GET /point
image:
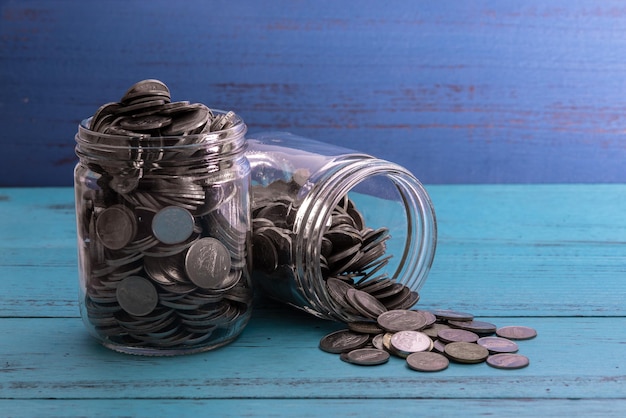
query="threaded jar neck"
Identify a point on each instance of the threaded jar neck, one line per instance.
(162, 152)
(386, 186)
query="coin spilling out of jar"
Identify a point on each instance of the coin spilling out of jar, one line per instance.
(163, 223)
(428, 341)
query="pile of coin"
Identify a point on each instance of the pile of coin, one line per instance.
(428, 340)
(352, 255)
(164, 223)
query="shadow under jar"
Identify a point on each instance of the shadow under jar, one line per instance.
(163, 227)
(337, 233)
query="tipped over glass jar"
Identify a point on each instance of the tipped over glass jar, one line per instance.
(337, 233)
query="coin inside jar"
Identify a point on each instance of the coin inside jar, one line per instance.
(172, 225)
(116, 227)
(136, 295)
(207, 263)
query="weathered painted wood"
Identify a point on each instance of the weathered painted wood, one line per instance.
(546, 256)
(277, 357)
(495, 91)
(503, 250)
(315, 408)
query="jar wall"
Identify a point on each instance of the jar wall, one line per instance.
(163, 228)
(321, 212)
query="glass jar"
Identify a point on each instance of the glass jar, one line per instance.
(337, 233)
(163, 227)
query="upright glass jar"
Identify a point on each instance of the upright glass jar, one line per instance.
(339, 234)
(163, 226)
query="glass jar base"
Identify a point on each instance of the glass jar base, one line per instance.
(160, 352)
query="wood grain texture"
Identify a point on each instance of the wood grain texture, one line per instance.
(546, 256)
(478, 92)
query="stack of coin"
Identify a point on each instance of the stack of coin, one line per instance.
(164, 222)
(352, 255)
(428, 340)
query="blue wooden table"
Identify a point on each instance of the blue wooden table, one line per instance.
(552, 257)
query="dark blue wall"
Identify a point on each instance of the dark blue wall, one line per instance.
(456, 91)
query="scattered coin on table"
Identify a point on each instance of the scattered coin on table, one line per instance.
(427, 341)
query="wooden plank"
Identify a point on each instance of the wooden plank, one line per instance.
(503, 250)
(313, 408)
(277, 358)
(493, 91)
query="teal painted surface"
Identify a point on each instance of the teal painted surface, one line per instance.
(458, 92)
(547, 256)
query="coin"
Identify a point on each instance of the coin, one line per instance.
(365, 303)
(188, 122)
(207, 263)
(136, 295)
(366, 356)
(508, 361)
(342, 340)
(146, 88)
(377, 341)
(145, 123)
(451, 335)
(463, 352)
(498, 344)
(173, 225)
(516, 332)
(116, 227)
(401, 320)
(427, 361)
(439, 346)
(433, 330)
(479, 327)
(407, 342)
(264, 254)
(448, 314)
(365, 327)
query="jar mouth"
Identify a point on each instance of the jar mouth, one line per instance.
(136, 140)
(137, 149)
(413, 238)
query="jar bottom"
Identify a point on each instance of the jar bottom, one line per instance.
(231, 334)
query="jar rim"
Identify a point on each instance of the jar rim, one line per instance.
(94, 139)
(421, 224)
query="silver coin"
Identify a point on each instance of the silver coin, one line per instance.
(433, 330)
(366, 357)
(146, 88)
(145, 123)
(514, 332)
(364, 327)
(173, 225)
(427, 361)
(452, 335)
(498, 344)
(264, 253)
(342, 340)
(365, 303)
(449, 314)
(377, 341)
(508, 361)
(116, 227)
(187, 122)
(407, 342)
(137, 296)
(207, 263)
(481, 328)
(401, 320)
